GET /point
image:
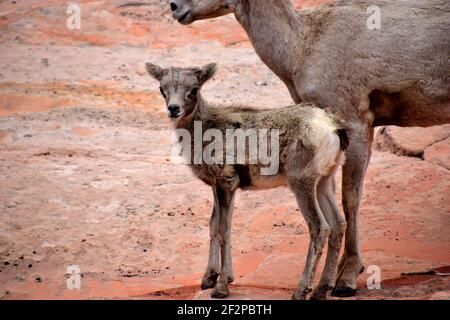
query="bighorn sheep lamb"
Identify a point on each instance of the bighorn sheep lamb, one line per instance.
(310, 146)
(397, 73)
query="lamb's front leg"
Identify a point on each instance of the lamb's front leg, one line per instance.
(225, 208)
(213, 269)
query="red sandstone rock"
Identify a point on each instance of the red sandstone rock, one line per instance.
(439, 153)
(410, 141)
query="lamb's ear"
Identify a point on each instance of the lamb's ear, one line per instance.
(155, 71)
(207, 72)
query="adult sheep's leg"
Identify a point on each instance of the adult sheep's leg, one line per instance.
(213, 269)
(293, 92)
(225, 199)
(353, 172)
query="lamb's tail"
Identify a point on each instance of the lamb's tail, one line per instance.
(343, 138)
(331, 141)
(329, 153)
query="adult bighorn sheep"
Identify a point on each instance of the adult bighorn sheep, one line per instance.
(309, 147)
(396, 75)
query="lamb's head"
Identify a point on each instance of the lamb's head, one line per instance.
(187, 11)
(180, 87)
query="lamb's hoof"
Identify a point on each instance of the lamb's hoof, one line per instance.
(209, 282)
(320, 294)
(343, 292)
(296, 296)
(220, 292)
(207, 285)
(300, 295)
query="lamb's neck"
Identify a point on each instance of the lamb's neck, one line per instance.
(276, 32)
(202, 113)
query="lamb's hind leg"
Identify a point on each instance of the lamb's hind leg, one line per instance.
(213, 269)
(225, 199)
(305, 193)
(330, 209)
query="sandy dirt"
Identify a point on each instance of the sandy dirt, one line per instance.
(85, 175)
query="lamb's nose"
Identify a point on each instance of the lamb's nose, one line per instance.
(173, 6)
(174, 110)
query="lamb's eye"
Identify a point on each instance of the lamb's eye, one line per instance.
(162, 92)
(194, 92)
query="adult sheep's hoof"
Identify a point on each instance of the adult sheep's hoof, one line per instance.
(343, 292)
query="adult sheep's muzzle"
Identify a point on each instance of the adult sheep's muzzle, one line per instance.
(180, 12)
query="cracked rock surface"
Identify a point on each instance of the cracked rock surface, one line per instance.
(411, 142)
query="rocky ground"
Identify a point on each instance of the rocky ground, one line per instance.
(85, 176)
